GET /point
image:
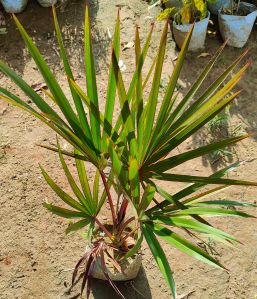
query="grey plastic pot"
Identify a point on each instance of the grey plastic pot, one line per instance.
(46, 3)
(14, 6)
(237, 29)
(130, 268)
(215, 5)
(198, 36)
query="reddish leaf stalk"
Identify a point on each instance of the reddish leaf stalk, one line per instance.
(124, 225)
(109, 197)
(128, 235)
(104, 229)
(123, 209)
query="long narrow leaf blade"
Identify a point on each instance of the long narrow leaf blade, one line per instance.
(65, 213)
(63, 195)
(185, 246)
(160, 257)
(49, 79)
(91, 80)
(174, 161)
(74, 187)
(111, 91)
(76, 98)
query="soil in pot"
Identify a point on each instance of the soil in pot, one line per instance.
(129, 267)
(46, 3)
(198, 37)
(237, 28)
(215, 5)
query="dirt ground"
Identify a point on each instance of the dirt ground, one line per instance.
(36, 257)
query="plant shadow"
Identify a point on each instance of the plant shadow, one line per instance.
(136, 289)
(38, 22)
(216, 130)
(243, 108)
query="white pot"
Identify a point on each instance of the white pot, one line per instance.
(130, 268)
(198, 37)
(14, 6)
(237, 29)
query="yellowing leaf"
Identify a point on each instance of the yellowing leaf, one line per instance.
(186, 14)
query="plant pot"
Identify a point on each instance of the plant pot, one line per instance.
(130, 268)
(237, 29)
(198, 36)
(46, 3)
(215, 5)
(14, 6)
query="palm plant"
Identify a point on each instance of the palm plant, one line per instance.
(133, 154)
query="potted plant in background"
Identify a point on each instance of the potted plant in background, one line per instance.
(236, 22)
(17, 6)
(183, 14)
(131, 156)
(14, 6)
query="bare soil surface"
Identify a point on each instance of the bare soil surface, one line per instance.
(36, 258)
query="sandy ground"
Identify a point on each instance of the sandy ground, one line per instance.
(35, 255)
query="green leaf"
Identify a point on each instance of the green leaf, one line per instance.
(136, 75)
(50, 80)
(169, 197)
(83, 179)
(160, 257)
(73, 139)
(185, 246)
(96, 188)
(194, 118)
(64, 152)
(192, 188)
(91, 80)
(204, 194)
(74, 187)
(139, 105)
(134, 181)
(153, 97)
(211, 211)
(210, 90)
(200, 179)
(54, 123)
(146, 198)
(229, 203)
(174, 161)
(166, 102)
(215, 106)
(194, 225)
(107, 127)
(36, 99)
(177, 205)
(111, 91)
(127, 121)
(118, 168)
(63, 195)
(150, 71)
(76, 98)
(73, 227)
(65, 213)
